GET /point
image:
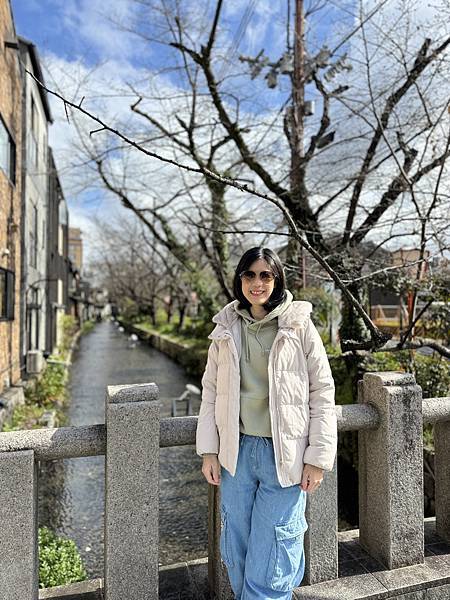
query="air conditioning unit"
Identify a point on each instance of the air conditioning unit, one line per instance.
(35, 361)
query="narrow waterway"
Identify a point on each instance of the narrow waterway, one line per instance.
(72, 491)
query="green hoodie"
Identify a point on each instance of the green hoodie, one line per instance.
(257, 340)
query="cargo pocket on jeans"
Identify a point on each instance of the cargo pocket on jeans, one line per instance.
(286, 555)
(225, 545)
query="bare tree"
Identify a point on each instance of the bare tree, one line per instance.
(394, 144)
(378, 147)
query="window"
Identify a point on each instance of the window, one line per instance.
(63, 220)
(60, 292)
(7, 153)
(33, 236)
(60, 240)
(6, 295)
(33, 136)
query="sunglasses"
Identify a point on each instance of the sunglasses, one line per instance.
(265, 276)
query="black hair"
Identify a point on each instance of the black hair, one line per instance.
(273, 260)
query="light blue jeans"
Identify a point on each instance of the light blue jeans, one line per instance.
(263, 525)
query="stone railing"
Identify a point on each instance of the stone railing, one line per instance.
(389, 417)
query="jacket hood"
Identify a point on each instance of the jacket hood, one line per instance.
(253, 323)
(295, 315)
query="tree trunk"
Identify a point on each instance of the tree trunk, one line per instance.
(152, 312)
(294, 274)
(182, 313)
(220, 261)
(352, 327)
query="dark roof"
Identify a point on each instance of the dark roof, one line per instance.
(35, 61)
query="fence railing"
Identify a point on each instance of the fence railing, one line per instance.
(389, 418)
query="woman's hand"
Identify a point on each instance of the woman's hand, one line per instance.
(311, 478)
(211, 469)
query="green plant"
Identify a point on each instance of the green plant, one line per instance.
(48, 393)
(69, 328)
(59, 560)
(431, 373)
(50, 387)
(25, 416)
(322, 301)
(87, 327)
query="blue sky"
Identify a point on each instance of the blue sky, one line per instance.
(85, 53)
(76, 35)
(69, 28)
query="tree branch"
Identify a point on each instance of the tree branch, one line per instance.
(420, 64)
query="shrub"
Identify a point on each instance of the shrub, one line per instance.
(431, 373)
(59, 560)
(25, 416)
(324, 304)
(50, 387)
(49, 392)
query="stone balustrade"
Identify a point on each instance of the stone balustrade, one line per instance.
(389, 418)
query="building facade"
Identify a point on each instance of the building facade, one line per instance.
(76, 248)
(57, 258)
(10, 199)
(36, 117)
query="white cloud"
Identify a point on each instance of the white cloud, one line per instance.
(96, 26)
(104, 90)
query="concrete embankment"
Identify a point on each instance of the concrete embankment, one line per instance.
(190, 357)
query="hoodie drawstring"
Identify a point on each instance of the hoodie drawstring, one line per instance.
(247, 344)
(256, 336)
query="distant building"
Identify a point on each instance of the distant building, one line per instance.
(411, 257)
(82, 298)
(10, 199)
(57, 258)
(440, 265)
(389, 310)
(76, 248)
(36, 117)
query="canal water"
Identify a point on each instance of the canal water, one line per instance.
(71, 491)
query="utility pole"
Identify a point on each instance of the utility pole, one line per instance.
(298, 92)
(295, 255)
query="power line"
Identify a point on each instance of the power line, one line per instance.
(235, 43)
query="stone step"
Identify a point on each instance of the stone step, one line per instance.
(360, 577)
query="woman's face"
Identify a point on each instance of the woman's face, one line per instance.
(257, 291)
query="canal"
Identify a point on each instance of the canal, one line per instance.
(71, 494)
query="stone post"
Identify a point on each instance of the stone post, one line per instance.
(442, 478)
(219, 583)
(18, 526)
(391, 471)
(132, 492)
(321, 541)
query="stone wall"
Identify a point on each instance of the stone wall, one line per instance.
(10, 195)
(192, 359)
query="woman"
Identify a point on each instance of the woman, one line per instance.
(266, 428)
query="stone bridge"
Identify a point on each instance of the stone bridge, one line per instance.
(395, 553)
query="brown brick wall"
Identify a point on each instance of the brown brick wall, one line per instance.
(10, 203)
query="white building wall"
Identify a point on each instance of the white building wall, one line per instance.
(36, 209)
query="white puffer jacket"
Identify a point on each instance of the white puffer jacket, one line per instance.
(301, 394)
